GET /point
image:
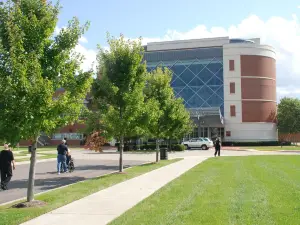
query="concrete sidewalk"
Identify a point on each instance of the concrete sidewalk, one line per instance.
(108, 204)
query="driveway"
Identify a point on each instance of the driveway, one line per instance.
(47, 178)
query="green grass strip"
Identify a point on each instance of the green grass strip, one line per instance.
(226, 191)
(61, 197)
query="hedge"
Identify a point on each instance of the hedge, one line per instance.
(176, 147)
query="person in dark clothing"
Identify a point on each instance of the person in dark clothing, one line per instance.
(62, 150)
(66, 143)
(7, 164)
(217, 147)
(68, 153)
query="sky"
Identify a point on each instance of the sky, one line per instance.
(276, 22)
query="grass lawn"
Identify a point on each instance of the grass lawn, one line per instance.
(273, 148)
(227, 190)
(61, 197)
(44, 156)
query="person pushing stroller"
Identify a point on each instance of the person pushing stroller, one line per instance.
(65, 160)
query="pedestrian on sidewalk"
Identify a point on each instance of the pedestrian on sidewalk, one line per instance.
(62, 150)
(7, 165)
(217, 147)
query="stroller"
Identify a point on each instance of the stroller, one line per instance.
(70, 165)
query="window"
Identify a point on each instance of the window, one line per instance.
(232, 88)
(231, 65)
(232, 110)
(228, 133)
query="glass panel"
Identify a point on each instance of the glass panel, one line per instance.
(214, 67)
(205, 92)
(195, 101)
(214, 81)
(177, 82)
(178, 69)
(187, 76)
(186, 93)
(214, 100)
(203, 76)
(196, 68)
(196, 82)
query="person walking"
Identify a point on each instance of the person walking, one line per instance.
(217, 147)
(62, 150)
(7, 165)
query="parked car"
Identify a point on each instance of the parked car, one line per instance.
(203, 143)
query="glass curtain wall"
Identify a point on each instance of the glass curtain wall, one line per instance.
(198, 82)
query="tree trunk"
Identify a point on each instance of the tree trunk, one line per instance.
(121, 145)
(121, 154)
(157, 150)
(169, 142)
(30, 191)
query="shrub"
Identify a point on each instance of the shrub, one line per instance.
(95, 141)
(178, 148)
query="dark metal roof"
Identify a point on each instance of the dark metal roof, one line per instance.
(211, 116)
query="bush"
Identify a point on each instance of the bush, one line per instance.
(134, 147)
(258, 143)
(178, 148)
(152, 146)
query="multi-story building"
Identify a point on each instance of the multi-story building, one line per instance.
(228, 85)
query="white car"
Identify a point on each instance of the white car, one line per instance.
(203, 143)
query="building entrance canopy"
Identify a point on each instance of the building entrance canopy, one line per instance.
(209, 116)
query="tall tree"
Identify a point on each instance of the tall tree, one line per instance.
(288, 116)
(34, 64)
(158, 89)
(178, 120)
(120, 89)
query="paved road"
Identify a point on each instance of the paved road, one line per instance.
(47, 178)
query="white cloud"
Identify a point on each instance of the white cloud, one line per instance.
(88, 54)
(298, 6)
(89, 57)
(281, 33)
(83, 40)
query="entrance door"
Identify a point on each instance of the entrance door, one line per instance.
(216, 132)
(203, 132)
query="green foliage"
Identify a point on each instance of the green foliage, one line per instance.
(178, 119)
(33, 65)
(119, 92)
(178, 148)
(158, 90)
(289, 115)
(172, 119)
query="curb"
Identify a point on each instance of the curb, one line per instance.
(44, 192)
